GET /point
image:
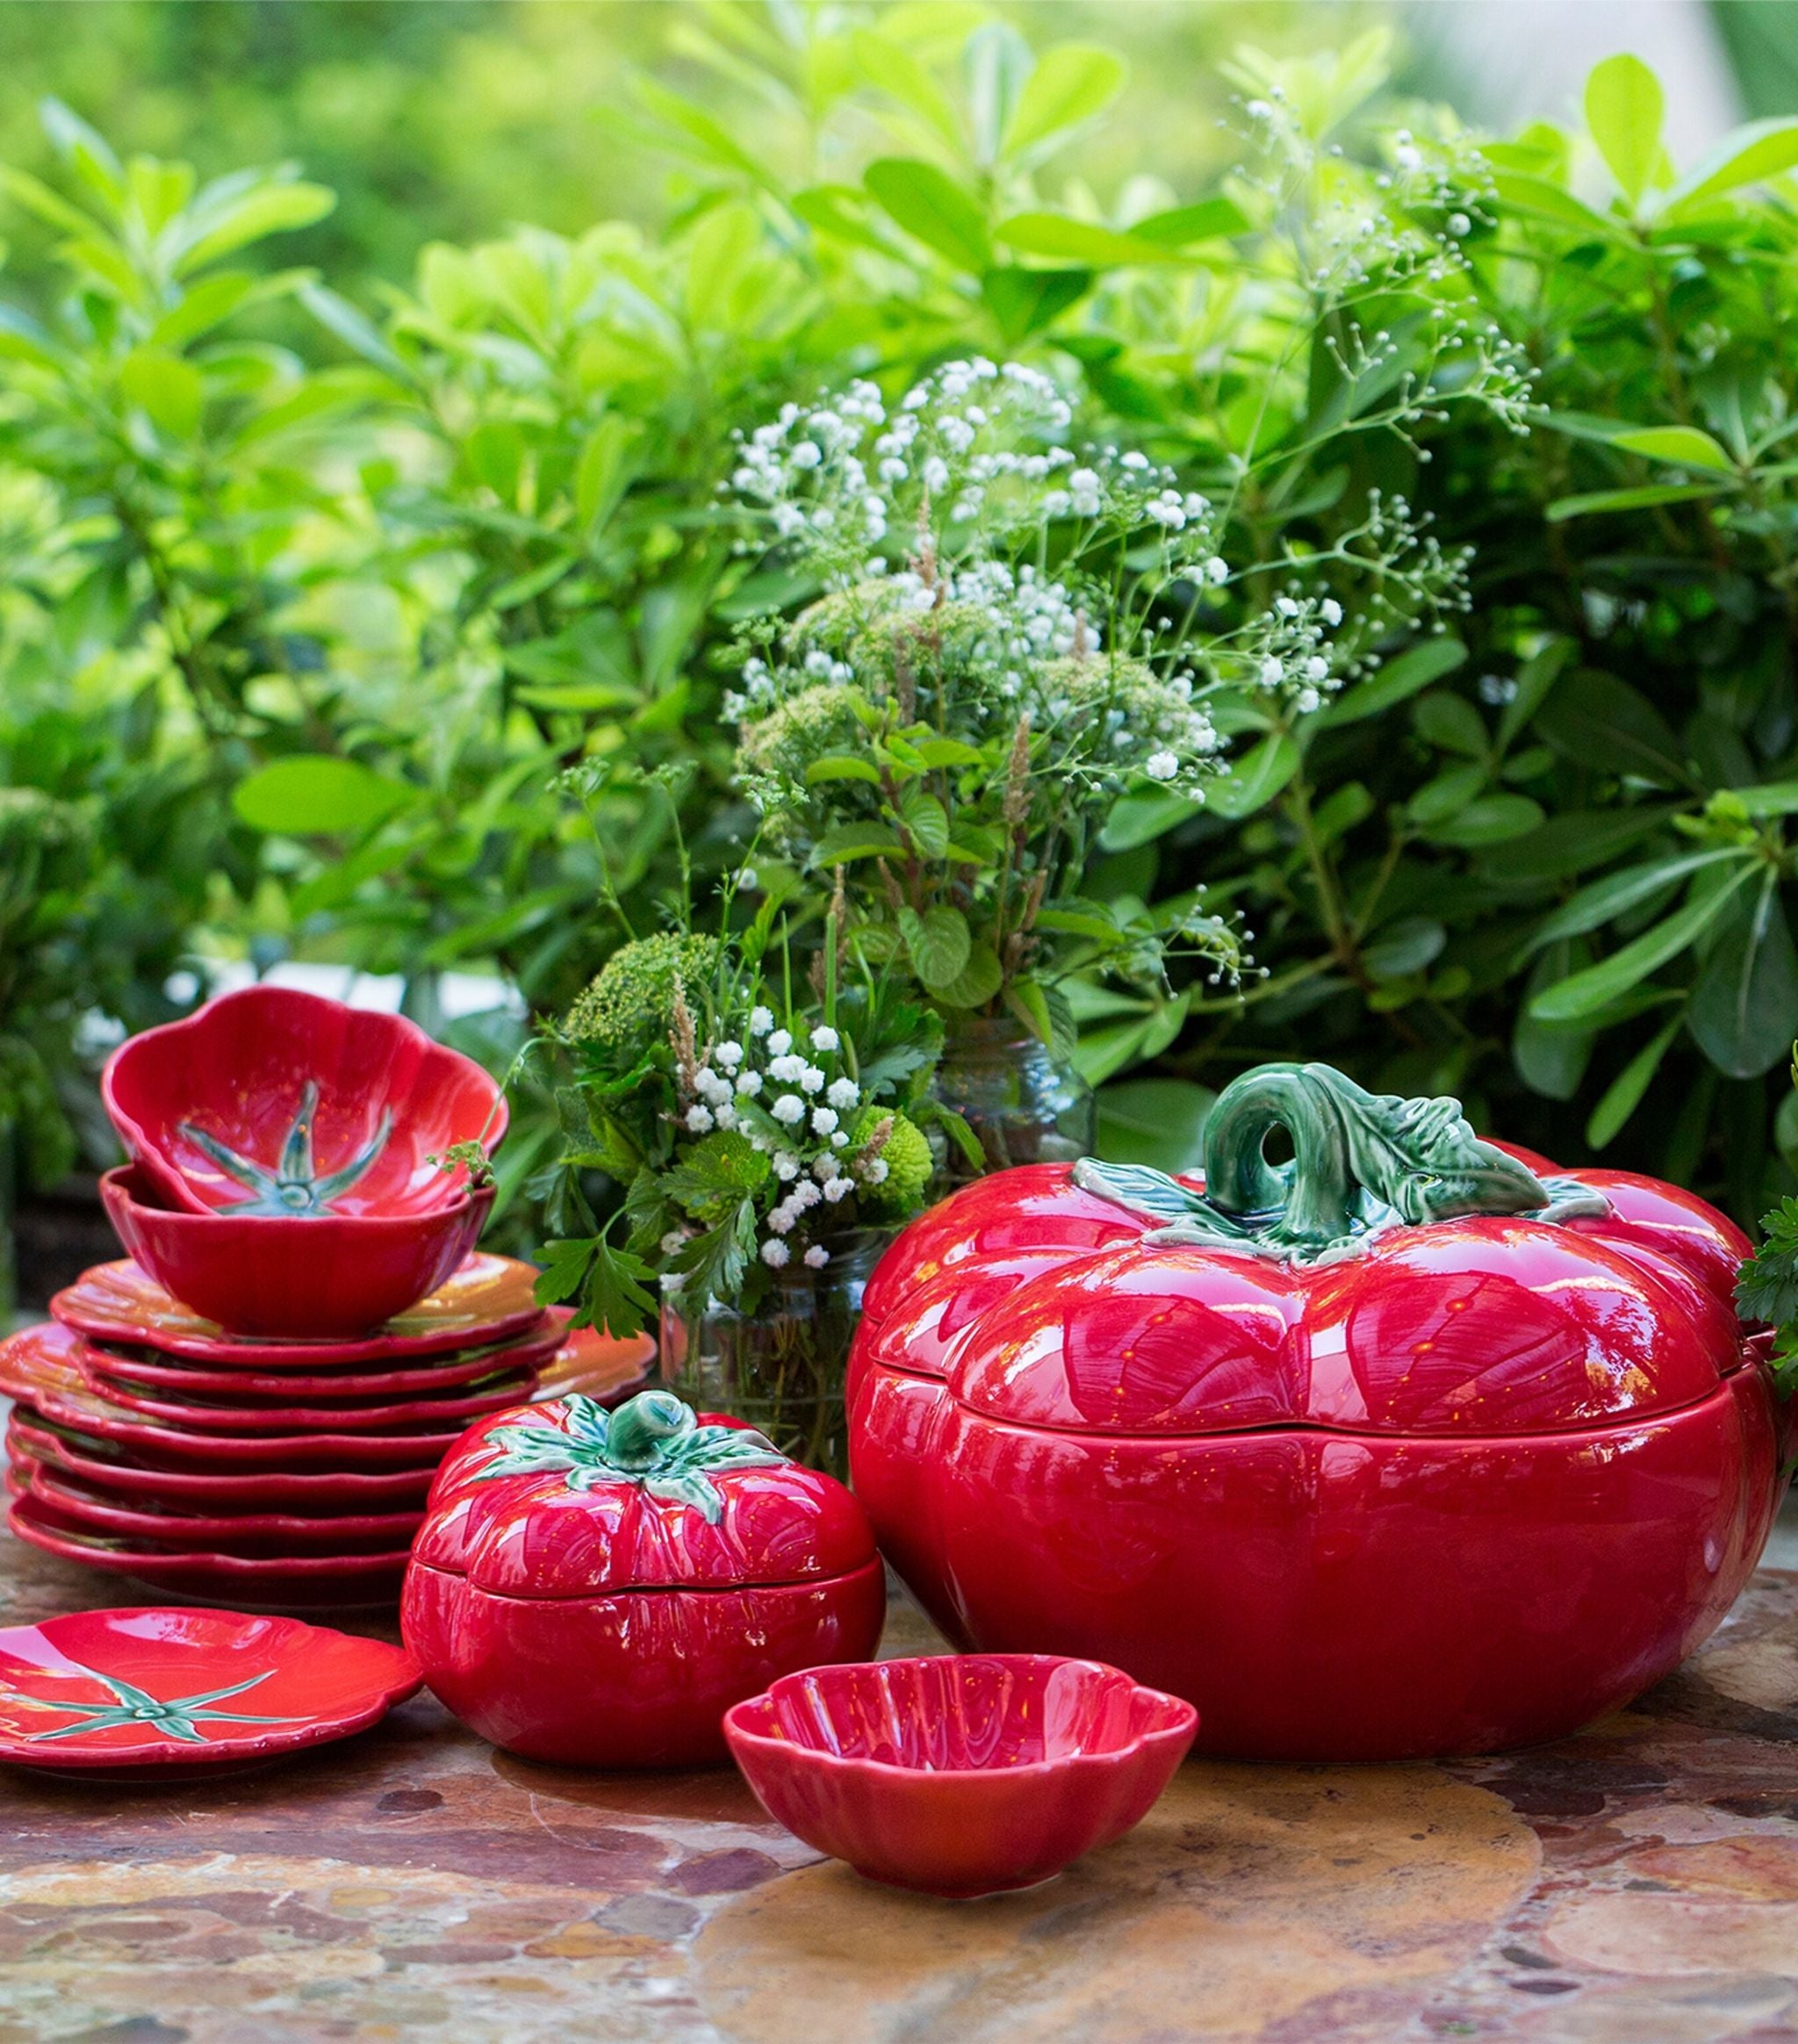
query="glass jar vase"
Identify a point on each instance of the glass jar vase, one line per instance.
(1023, 1105)
(779, 1368)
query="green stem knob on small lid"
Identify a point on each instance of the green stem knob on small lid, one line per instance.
(643, 1427)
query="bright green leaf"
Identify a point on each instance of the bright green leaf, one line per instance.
(319, 795)
(1072, 82)
(1584, 993)
(1684, 445)
(1623, 1097)
(1624, 107)
(931, 206)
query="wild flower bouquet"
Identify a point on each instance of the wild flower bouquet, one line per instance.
(766, 1139)
(1013, 634)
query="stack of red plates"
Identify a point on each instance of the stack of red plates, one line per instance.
(146, 1441)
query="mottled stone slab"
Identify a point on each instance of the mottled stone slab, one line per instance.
(1637, 1885)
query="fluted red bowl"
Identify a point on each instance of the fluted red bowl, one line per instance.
(959, 1775)
(338, 1275)
(279, 1103)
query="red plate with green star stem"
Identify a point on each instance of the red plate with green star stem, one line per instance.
(150, 1688)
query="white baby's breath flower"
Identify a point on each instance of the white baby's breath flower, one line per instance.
(730, 1055)
(874, 1171)
(672, 1240)
(1162, 766)
(760, 1021)
(748, 1082)
(839, 1190)
(843, 1093)
(816, 1256)
(775, 1254)
(812, 1079)
(699, 1119)
(1330, 611)
(785, 1165)
(782, 1219)
(1217, 569)
(725, 1114)
(1272, 674)
(824, 1038)
(788, 1109)
(823, 1119)
(840, 1140)
(779, 1043)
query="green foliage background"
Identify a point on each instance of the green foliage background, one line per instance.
(328, 535)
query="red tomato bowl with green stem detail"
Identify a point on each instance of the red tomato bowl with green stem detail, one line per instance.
(596, 1589)
(1411, 1445)
(272, 1103)
(336, 1278)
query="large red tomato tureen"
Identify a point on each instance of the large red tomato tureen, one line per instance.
(1411, 1445)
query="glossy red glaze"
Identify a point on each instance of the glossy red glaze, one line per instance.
(1470, 1486)
(608, 1626)
(452, 1407)
(133, 1478)
(38, 1367)
(314, 1684)
(487, 1299)
(237, 1070)
(278, 1581)
(341, 1533)
(960, 1776)
(151, 1371)
(337, 1276)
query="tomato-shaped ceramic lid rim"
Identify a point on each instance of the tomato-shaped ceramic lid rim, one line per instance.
(565, 1500)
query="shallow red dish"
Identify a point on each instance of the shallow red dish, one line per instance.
(109, 1467)
(139, 1688)
(487, 1299)
(149, 1370)
(340, 1275)
(266, 1581)
(298, 1104)
(223, 1415)
(339, 1533)
(959, 1775)
(38, 1368)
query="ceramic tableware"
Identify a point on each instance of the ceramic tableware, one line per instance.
(269, 1101)
(1413, 1445)
(335, 1276)
(151, 1370)
(959, 1775)
(37, 1367)
(127, 1694)
(456, 1407)
(594, 1589)
(108, 1467)
(340, 1532)
(490, 1299)
(266, 1582)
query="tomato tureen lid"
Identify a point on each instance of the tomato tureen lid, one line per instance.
(567, 1500)
(1399, 1275)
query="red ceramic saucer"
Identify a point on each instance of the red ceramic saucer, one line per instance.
(341, 1533)
(283, 1581)
(221, 1416)
(149, 1370)
(283, 1104)
(488, 1299)
(38, 1368)
(115, 1692)
(105, 1466)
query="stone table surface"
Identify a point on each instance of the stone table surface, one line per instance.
(1636, 1885)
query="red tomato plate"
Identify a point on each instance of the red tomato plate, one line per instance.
(489, 1300)
(154, 1693)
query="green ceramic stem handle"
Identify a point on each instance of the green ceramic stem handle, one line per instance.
(1362, 1163)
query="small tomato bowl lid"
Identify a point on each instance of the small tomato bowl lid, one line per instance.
(567, 1500)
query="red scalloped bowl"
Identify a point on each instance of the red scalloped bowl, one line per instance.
(959, 1775)
(339, 1275)
(238, 1072)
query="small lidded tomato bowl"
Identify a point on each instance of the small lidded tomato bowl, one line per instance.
(596, 1589)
